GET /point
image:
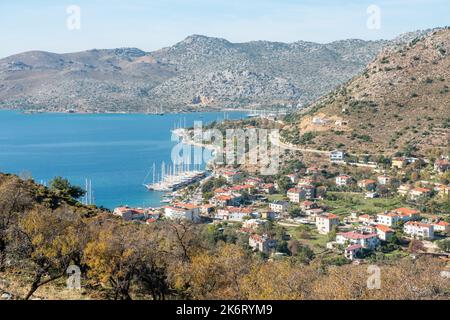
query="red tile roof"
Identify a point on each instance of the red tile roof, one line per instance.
(384, 229)
(353, 247)
(355, 235)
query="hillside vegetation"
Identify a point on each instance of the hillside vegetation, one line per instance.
(196, 73)
(43, 232)
(399, 103)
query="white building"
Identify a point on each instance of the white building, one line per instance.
(234, 214)
(337, 155)
(352, 252)
(231, 176)
(293, 177)
(384, 233)
(419, 193)
(261, 243)
(326, 222)
(384, 180)
(441, 226)
(182, 211)
(130, 214)
(369, 241)
(343, 180)
(388, 219)
(294, 195)
(419, 230)
(279, 206)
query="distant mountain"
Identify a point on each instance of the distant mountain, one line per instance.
(199, 72)
(400, 102)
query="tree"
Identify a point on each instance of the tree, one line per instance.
(415, 246)
(51, 240)
(444, 245)
(284, 184)
(15, 198)
(120, 255)
(294, 212)
(213, 275)
(332, 234)
(64, 188)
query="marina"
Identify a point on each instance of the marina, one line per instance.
(174, 178)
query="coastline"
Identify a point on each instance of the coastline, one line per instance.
(186, 139)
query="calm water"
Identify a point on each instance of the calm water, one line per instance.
(115, 151)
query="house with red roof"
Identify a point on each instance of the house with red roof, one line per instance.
(366, 240)
(307, 205)
(367, 184)
(262, 243)
(419, 230)
(231, 176)
(441, 226)
(419, 193)
(293, 177)
(343, 180)
(326, 222)
(384, 180)
(366, 219)
(130, 214)
(233, 214)
(388, 219)
(253, 181)
(353, 251)
(384, 232)
(183, 211)
(442, 166)
(267, 188)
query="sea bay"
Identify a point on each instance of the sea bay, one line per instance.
(114, 151)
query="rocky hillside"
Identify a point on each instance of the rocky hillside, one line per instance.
(196, 73)
(400, 102)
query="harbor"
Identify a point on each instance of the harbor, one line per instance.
(175, 177)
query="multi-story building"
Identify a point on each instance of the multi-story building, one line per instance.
(369, 241)
(262, 243)
(367, 184)
(388, 219)
(343, 180)
(384, 180)
(326, 222)
(182, 211)
(279, 206)
(419, 230)
(384, 232)
(337, 156)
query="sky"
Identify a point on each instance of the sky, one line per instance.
(152, 24)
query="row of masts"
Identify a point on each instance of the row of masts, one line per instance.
(172, 172)
(88, 198)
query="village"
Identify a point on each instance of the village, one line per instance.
(341, 211)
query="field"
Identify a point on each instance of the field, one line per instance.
(345, 203)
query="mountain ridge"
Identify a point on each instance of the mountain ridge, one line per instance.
(398, 104)
(196, 73)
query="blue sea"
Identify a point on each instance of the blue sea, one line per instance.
(116, 152)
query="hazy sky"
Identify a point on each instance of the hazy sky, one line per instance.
(152, 24)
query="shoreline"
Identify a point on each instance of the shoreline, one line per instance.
(186, 139)
(169, 112)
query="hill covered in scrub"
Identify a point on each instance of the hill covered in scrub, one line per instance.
(399, 103)
(196, 73)
(43, 232)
